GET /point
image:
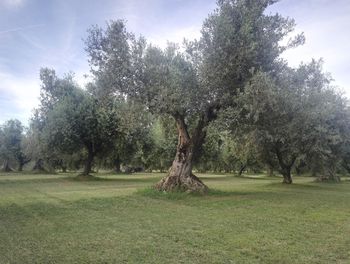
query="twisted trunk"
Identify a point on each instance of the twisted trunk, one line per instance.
(287, 176)
(22, 160)
(39, 166)
(286, 166)
(180, 176)
(241, 169)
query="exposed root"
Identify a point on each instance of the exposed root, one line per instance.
(8, 169)
(287, 181)
(173, 183)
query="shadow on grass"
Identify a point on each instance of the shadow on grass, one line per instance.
(220, 178)
(26, 173)
(312, 185)
(113, 173)
(104, 179)
(179, 195)
(28, 181)
(243, 177)
(32, 177)
(255, 177)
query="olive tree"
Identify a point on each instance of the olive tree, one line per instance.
(11, 134)
(293, 114)
(194, 83)
(77, 122)
(70, 119)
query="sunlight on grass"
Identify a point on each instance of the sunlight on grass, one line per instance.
(121, 219)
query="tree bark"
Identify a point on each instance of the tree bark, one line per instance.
(22, 160)
(180, 176)
(270, 171)
(241, 169)
(346, 166)
(39, 166)
(6, 166)
(285, 166)
(287, 176)
(117, 165)
(88, 162)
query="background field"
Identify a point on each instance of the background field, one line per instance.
(255, 219)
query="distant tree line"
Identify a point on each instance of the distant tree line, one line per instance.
(228, 99)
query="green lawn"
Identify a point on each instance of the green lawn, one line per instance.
(55, 219)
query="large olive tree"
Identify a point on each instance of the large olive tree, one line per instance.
(194, 83)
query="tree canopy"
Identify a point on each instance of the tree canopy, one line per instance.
(11, 134)
(191, 84)
(293, 114)
(228, 99)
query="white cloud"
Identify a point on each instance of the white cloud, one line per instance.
(177, 36)
(21, 95)
(12, 3)
(325, 24)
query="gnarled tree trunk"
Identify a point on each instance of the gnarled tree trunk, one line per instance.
(241, 169)
(180, 176)
(285, 165)
(287, 176)
(39, 166)
(22, 160)
(64, 168)
(6, 166)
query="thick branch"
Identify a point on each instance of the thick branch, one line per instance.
(199, 133)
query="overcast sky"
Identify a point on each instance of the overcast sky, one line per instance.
(50, 33)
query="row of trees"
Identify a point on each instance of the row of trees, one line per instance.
(73, 129)
(234, 103)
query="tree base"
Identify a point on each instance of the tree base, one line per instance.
(173, 183)
(40, 171)
(85, 177)
(287, 181)
(39, 167)
(6, 170)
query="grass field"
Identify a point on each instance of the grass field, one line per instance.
(55, 219)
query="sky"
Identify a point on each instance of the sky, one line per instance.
(51, 33)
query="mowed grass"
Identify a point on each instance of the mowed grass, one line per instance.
(119, 219)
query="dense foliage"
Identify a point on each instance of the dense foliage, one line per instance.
(228, 100)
